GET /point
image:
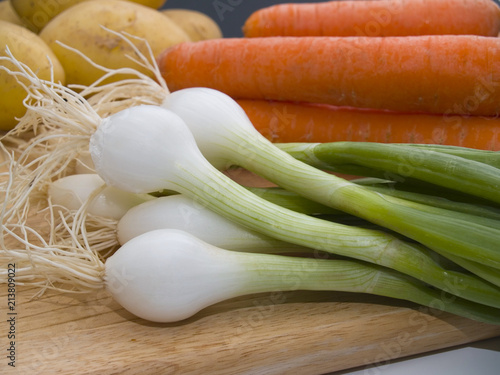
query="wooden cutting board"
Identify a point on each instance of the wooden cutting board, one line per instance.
(290, 333)
(280, 333)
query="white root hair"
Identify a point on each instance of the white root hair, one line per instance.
(69, 252)
(43, 258)
(48, 263)
(93, 231)
(63, 122)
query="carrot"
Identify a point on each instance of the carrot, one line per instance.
(376, 18)
(437, 74)
(284, 122)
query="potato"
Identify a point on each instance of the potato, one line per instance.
(80, 27)
(197, 25)
(155, 4)
(30, 49)
(8, 14)
(36, 14)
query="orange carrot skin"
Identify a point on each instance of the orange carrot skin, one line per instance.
(376, 18)
(302, 122)
(435, 74)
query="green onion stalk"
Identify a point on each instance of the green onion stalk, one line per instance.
(432, 165)
(226, 137)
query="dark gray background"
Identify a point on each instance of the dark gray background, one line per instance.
(230, 14)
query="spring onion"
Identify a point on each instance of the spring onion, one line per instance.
(71, 192)
(169, 275)
(127, 215)
(112, 217)
(180, 212)
(74, 191)
(226, 136)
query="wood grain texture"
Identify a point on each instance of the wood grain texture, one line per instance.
(275, 333)
(295, 332)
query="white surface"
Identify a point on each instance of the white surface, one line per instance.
(480, 358)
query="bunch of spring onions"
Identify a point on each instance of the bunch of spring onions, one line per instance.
(168, 275)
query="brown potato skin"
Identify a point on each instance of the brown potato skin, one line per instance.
(197, 25)
(80, 27)
(36, 14)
